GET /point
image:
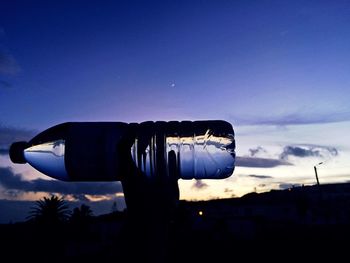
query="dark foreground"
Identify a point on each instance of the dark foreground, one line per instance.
(301, 224)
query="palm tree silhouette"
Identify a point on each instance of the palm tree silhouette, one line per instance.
(51, 210)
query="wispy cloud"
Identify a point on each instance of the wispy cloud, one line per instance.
(11, 181)
(254, 162)
(260, 176)
(228, 190)
(307, 150)
(300, 118)
(254, 152)
(199, 185)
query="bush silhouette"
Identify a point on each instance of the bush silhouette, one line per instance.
(81, 214)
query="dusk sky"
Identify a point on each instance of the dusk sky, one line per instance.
(278, 71)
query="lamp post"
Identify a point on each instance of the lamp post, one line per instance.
(315, 168)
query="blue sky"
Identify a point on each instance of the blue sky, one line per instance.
(277, 70)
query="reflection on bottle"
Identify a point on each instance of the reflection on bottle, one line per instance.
(48, 158)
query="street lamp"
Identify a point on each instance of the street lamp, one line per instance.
(315, 168)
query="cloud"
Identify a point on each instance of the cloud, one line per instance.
(299, 118)
(259, 162)
(260, 176)
(8, 135)
(14, 182)
(81, 197)
(230, 192)
(308, 150)
(8, 64)
(4, 151)
(199, 185)
(256, 151)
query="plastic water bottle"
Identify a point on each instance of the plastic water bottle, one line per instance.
(109, 151)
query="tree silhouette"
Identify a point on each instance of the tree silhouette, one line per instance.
(114, 207)
(82, 214)
(51, 210)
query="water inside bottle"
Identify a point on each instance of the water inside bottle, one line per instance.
(202, 156)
